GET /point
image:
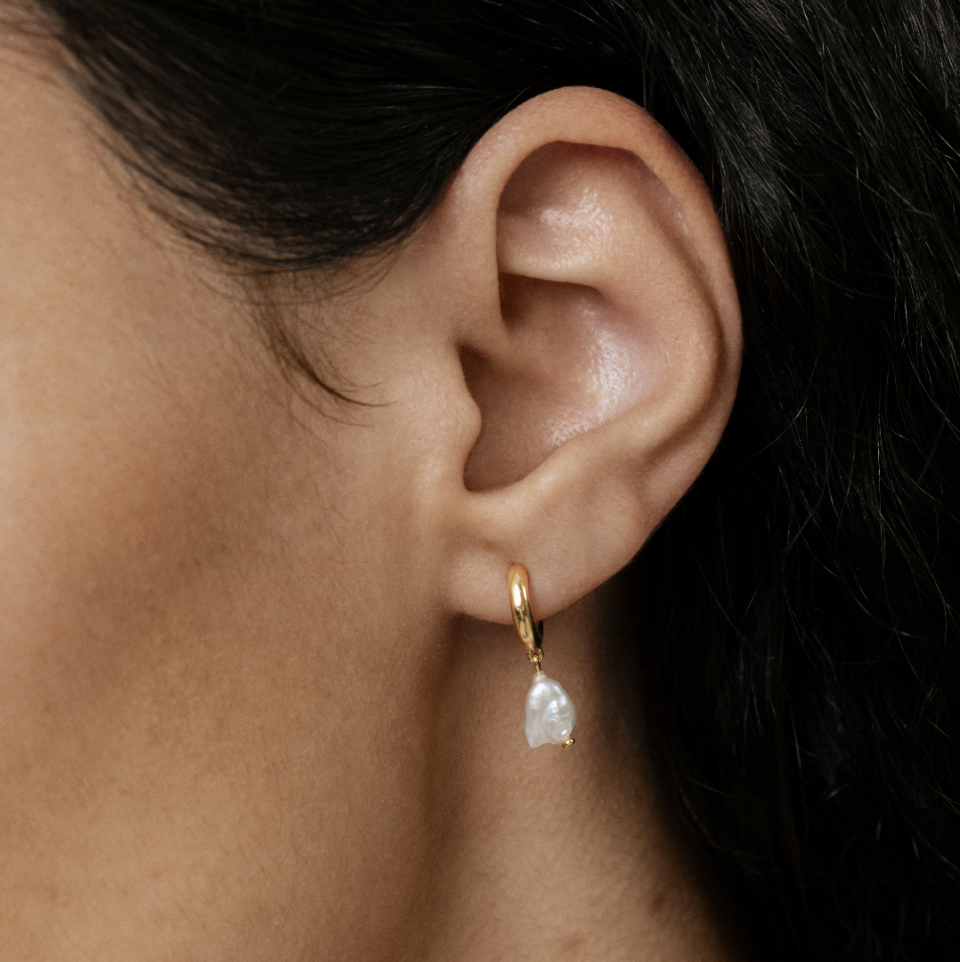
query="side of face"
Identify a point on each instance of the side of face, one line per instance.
(222, 599)
(197, 568)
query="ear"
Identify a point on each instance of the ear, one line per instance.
(600, 342)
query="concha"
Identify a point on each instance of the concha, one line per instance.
(550, 717)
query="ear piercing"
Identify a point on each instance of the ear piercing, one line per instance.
(550, 716)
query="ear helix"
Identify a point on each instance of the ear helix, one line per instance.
(550, 715)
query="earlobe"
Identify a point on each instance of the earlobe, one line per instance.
(606, 375)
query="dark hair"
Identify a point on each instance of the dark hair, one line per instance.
(799, 608)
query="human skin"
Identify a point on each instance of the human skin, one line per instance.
(260, 698)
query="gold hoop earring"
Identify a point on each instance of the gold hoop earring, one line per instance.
(550, 716)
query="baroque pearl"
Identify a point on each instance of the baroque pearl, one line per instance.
(550, 717)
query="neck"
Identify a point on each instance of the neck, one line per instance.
(552, 854)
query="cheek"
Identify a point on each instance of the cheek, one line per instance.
(109, 491)
(111, 390)
(133, 482)
(187, 574)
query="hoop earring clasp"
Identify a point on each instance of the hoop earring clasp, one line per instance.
(530, 632)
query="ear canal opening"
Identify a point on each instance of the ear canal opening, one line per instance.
(569, 362)
(517, 390)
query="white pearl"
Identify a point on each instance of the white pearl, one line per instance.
(551, 716)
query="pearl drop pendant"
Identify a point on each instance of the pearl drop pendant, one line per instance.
(551, 715)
